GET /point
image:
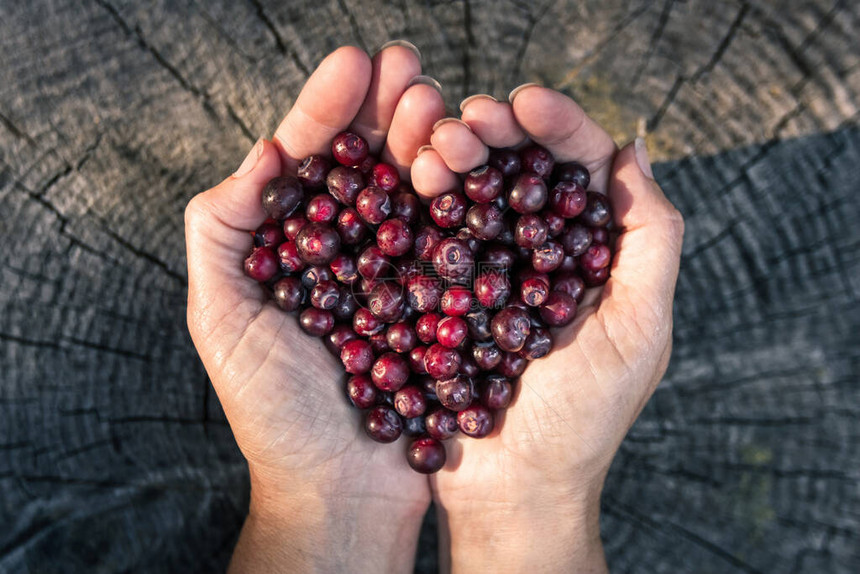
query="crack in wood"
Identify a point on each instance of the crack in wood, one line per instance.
(353, 24)
(662, 22)
(280, 43)
(15, 130)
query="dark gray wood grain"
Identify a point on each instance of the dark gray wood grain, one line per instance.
(114, 453)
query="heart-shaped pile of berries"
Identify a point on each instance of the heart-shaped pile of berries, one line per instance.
(434, 312)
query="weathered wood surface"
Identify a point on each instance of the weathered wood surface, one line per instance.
(114, 453)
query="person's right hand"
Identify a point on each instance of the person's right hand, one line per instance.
(527, 496)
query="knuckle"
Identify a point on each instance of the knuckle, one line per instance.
(196, 211)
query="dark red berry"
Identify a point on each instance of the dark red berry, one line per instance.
(423, 292)
(383, 424)
(507, 161)
(538, 344)
(361, 391)
(571, 284)
(409, 402)
(357, 356)
(349, 149)
(597, 256)
(534, 291)
(325, 294)
(372, 263)
(599, 235)
(313, 170)
(322, 208)
(426, 327)
(338, 337)
(401, 337)
(317, 243)
(346, 305)
(573, 171)
(379, 343)
(344, 183)
(485, 221)
(510, 327)
(537, 159)
(597, 211)
(484, 184)
(451, 331)
(282, 196)
(288, 293)
(426, 239)
(288, 257)
(314, 274)
(440, 362)
(554, 223)
(414, 427)
(498, 256)
(373, 204)
(390, 372)
(365, 324)
(269, 234)
(426, 455)
(547, 257)
(449, 209)
(344, 268)
(595, 278)
(262, 264)
(316, 322)
(558, 310)
(385, 177)
(475, 421)
(385, 301)
(531, 231)
(568, 199)
(492, 288)
(496, 392)
(479, 325)
(294, 224)
(416, 360)
(394, 237)
(456, 301)
(576, 239)
(528, 194)
(453, 259)
(512, 365)
(406, 206)
(487, 356)
(441, 424)
(456, 393)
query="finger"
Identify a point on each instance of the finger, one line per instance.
(393, 68)
(458, 146)
(420, 107)
(326, 105)
(492, 121)
(558, 123)
(641, 287)
(217, 224)
(430, 175)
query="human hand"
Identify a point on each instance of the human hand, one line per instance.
(527, 496)
(280, 389)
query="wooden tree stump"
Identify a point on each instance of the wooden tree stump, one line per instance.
(114, 452)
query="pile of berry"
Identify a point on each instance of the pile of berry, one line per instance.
(435, 311)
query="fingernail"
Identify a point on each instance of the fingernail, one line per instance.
(427, 81)
(448, 121)
(403, 44)
(422, 149)
(251, 159)
(466, 102)
(519, 89)
(641, 152)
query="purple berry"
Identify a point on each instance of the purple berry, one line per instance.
(282, 196)
(317, 244)
(440, 362)
(361, 391)
(390, 372)
(383, 424)
(313, 170)
(456, 393)
(449, 209)
(528, 194)
(345, 183)
(426, 455)
(537, 159)
(453, 260)
(349, 149)
(288, 293)
(558, 310)
(409, 402)
(485, 221)
(475, 421)
(441, 424)
(373, 204)
(262, 264)
(496, 392)
(484, 184)
(510, 327)
(316, 322)
(394, 237)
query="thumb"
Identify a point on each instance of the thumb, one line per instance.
(639, 294)
(217, 239)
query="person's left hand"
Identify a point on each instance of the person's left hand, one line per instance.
(323, 495)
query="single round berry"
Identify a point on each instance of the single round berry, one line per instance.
(492, 289)
(345, 183)
(440, 362)
(528, 194)
(597, 211)
(487, 356)
(538, 344)
(314, 274)
(441, 424)
(484, 184)
(282, 196)
(288, 257)
(339, 336)
(510, 327)
(349, 149)
(507, 161)
(426, 326)
(451, 331)
(485, 221)
(365, 324)
(372, 263)
(547, 257)
(357, 356)
(537, 159)
(426, 455)
(394, 237)
(475, 421)
(313, 170)
(383, 424)
(570, 283)
(478, 321)
(405, 206)
(576, 239)
(597, 256)
(599, 235)
(322, 208)
(361, 391)
(373, 204)
(469, 368)
(554, 223)
(344, 268)
(385, 177)
(512, 365)
(325, 295)
(449, 209)
(269, 234)
(453, 259)
(573, 171)
(379, 343)
(568, 199)
(317, 243)
(262, 264)
(409, 402)
(401, 337)
(346, 305)
(423, 292)
(496, 392)
(294, 224)
(385, 301)
(530, 231)
(416, 360)
(534, 291)
(595, 278)
(288, 293)
(426, 240)
(558, 310)
(456, 301)
(390, 372)
(316, 322)
(455, 393)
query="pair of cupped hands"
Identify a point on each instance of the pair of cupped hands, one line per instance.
(324, 497)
